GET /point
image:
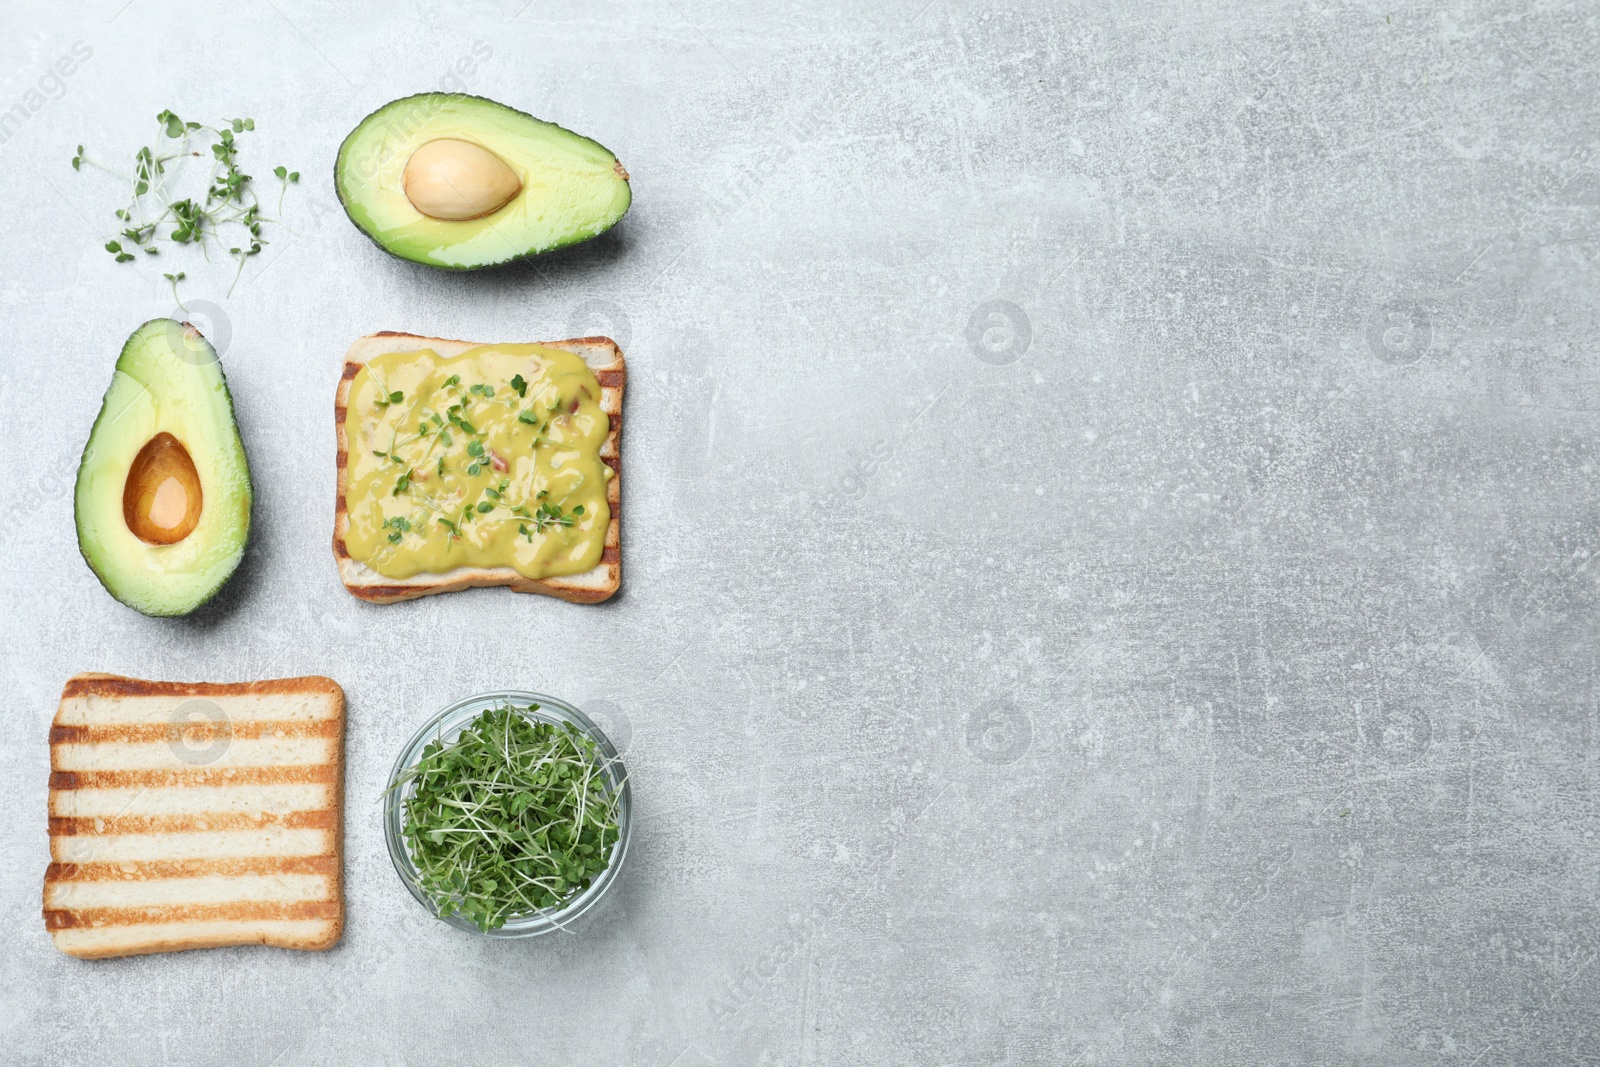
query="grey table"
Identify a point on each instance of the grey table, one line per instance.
(1108, 543)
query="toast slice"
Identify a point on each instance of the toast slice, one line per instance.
(195, 815)
(590, 587)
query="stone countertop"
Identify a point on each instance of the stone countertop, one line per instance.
(1108, 527)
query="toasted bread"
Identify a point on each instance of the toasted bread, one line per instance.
(592, 586)
(195, 815)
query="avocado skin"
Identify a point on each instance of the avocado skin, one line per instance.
(466, 267)
(84, 537)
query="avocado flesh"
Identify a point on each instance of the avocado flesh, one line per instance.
(572, 188)
(167, 380)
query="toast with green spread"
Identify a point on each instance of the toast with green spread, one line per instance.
(408, 486)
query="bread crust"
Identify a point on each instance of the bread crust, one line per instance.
(590, 587)
(90, 682)
(275, 923)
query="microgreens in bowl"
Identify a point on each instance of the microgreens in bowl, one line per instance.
(513, 815)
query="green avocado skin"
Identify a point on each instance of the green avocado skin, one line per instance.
(89, 506)
(560, 241)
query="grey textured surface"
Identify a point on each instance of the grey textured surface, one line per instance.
(1194, 665)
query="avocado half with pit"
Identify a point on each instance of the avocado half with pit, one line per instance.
(460, 182)
(163, 494)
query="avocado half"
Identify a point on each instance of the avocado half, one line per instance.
(567, 188)
(163, 495)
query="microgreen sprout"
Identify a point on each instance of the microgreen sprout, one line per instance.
(173, 280)
(550, 515)
(287, 178)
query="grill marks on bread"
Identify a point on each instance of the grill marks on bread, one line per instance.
(195, 815)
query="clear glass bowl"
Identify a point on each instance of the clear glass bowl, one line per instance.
(445, 726)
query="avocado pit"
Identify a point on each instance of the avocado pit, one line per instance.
(161, 499)
(455, 180)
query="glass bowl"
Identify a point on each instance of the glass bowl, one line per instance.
(445, 726)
